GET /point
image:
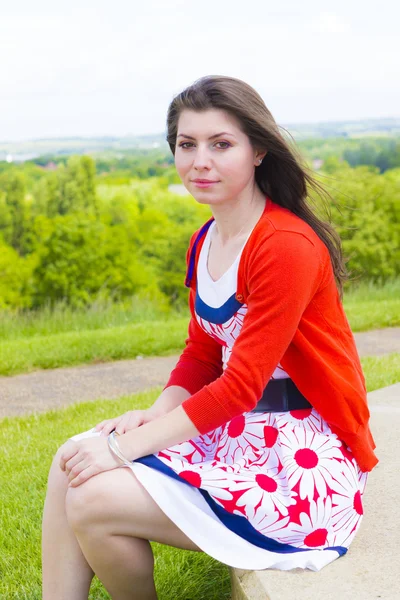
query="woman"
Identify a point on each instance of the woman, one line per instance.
(257, 450)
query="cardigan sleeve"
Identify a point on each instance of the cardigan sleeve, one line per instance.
(201, 360)
(283, 274)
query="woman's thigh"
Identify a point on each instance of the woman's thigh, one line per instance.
(116, 502)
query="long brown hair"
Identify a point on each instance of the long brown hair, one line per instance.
(282, 175)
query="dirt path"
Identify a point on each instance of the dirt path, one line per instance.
(42, 390)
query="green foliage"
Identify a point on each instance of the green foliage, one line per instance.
(80, 258)
(139, 164)
(381, 152)
(15, 212)
(15, 278)
(84, 235)
(161, 224)
(76, 190)
(366, 214)
(6, 218)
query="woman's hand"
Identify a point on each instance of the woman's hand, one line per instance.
(87, 457)
(126, 422)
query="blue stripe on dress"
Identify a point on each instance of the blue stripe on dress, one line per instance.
(217, 315)
(192, 258)
(236, 523)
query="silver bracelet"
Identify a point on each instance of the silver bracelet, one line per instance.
(116, 450)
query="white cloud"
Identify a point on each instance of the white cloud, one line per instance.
(102, 68)
(329, 23)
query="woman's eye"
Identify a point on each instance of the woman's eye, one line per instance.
(184, 144)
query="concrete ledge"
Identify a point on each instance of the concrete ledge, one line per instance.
(371, 568)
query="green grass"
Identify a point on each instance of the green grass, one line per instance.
(371, 306)
(62, 318)
(105, 331)
(27, 445)
(381, 371)
(150, 338)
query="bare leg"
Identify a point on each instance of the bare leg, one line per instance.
(124, 564)
(66, 574)
(114, 518)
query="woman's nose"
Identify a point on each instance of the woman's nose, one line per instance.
(201, 158)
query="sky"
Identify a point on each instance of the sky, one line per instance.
(92, 68)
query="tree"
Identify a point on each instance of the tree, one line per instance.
(77, 190)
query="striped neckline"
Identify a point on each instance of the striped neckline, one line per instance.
(205, 252)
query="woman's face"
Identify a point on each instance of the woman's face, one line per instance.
(227, 159)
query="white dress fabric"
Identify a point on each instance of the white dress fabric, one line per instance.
(265, 490)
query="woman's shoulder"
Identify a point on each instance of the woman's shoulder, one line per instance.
(283, 240)
(280, 227)
(279, 218)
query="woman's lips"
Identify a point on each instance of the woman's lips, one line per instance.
(204, 184)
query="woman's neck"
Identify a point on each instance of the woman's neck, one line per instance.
(233, 222)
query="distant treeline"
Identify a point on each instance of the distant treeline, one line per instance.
(68, 232)
(141, 164)
(382, 152)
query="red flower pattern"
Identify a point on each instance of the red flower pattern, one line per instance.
(287, 472)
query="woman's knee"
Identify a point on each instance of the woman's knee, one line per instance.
(57, 477)
(86, 504)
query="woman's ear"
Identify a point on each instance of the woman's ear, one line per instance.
(259, 158)
(262, 155)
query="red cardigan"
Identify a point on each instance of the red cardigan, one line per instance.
(295, 318)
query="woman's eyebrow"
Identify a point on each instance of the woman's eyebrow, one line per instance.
(210, 138)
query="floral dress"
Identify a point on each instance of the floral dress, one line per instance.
(264, 490)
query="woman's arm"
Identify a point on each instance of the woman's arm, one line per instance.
(169, 399)
(163, 432)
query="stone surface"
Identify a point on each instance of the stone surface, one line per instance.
(371, 568)
(378, 342)
(56, 388)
